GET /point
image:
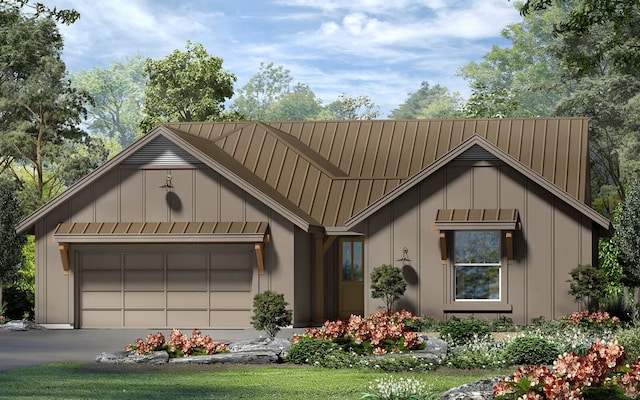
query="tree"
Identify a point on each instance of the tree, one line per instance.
(262, 91)
(587, 285)
(388, 284)
(297, 105)
(270, 313)
(41, 111)
(118, 95)
(11, 257)
(629, 236)
(520, 80)
(186, 86)
(351, 108)
(429, 102)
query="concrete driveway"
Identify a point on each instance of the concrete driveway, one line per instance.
(27, 348)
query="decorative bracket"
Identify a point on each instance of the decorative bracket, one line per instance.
(509, 240)
(443, 248)
(259, 248)
(64, 256)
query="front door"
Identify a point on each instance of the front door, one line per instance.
(351, 291)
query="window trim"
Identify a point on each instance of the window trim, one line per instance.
(492, 264)
(352, 240)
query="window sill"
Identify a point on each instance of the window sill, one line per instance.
(479, 306)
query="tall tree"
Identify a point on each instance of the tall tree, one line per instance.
(118, 95)
(629, 236)
(186, 86)
(429, 102)
(265, 88)
(41, 111)
(350, 107)
(522, 79)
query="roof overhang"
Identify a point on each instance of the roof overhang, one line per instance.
(477, 219)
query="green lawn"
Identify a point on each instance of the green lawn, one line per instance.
(83, 381)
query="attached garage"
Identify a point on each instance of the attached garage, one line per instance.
(163, 285)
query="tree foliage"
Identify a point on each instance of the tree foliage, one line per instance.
(587, 285)
(429, 102)
(263, 91)
(41, 110)
(11, 257)
(388, 284)
(298, 104)
(118, 95)
(186, 86)
(351, 108)
(629, 236)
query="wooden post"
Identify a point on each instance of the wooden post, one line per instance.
(317, 284)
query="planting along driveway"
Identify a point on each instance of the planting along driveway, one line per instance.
(34, 347)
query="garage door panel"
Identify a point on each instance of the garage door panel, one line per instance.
(147, 286)
(186, 261)
(230, 319)
(100, 261)
(144, 261)
(99, 300)
(102, 280)
(231, 300)
(231, 281)
(187, 319)
(187, 300)
(185, 280)
(101, 318)
(144, 318)
(144, 300)
(144, 280)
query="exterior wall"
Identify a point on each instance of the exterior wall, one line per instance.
(553, 240)
(134, 194)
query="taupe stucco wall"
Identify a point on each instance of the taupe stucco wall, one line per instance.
(134, 194)
(553, 240)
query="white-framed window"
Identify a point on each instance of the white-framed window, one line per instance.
(477, 265)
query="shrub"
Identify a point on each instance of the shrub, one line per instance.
(458, 332)
(387, 283)
(503, 324)
(178, 345)
(617, 306)
(424, 324)
(307, 350)
(595, 322)
(270, 313)
(587, 285)
(629, 339)
(378, 333)
(530, 350)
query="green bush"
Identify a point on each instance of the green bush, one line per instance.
(629, 339)
(308, 350)
(270, 313)
(458, 332)
(424, 324)
(388, 284)
(475, 357)
(526, 350)
(503, 324)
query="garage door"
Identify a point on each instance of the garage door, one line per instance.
(170, 286)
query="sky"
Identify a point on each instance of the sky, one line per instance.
(383, 49)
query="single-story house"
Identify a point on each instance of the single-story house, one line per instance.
(185, 226)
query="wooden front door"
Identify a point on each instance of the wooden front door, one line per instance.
(351, 286)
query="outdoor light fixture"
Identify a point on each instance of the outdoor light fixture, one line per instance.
(405, 255)
(168, 185)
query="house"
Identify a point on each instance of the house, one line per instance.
(184, 227)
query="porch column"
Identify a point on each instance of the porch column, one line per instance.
(317, 285)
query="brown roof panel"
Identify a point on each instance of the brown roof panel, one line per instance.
(471, 219)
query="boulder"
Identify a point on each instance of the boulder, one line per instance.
(480, 390)
(131, 357)
(243, 357)
(435, 350)
(21, 325)
(276, 345)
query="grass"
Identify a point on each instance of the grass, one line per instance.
(97, 381)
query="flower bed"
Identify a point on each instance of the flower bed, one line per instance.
(379, 333)
(599, 373)
(179, 345)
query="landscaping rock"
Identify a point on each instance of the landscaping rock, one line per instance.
(480, 390)
(131, 357)
(21, 325)
(276, 345)
(243, 357)
(435, 350)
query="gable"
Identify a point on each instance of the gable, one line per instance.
(161, 151)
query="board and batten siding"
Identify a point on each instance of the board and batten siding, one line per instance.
(131, 193)
(554, 239)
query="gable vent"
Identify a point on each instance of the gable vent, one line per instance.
(477, 153)
(161, 151)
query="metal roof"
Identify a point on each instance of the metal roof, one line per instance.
(470, 219)
(169, 231)
(333, 174)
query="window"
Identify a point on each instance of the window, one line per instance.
(477, 256)
(352, 260)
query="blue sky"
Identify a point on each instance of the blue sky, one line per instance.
(380, 48)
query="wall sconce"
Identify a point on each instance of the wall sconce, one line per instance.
(168, 185)
(405, 256)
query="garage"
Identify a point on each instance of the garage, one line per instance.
(165, 286)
